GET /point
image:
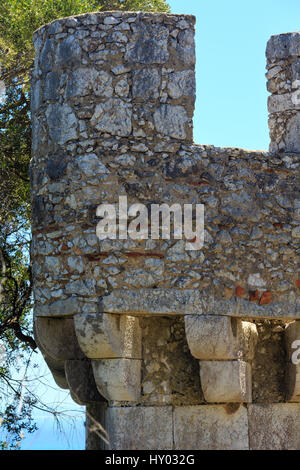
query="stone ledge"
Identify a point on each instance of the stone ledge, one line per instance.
(191, 302)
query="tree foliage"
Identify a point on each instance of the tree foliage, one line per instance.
(18, 20)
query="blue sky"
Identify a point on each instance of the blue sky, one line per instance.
(231, 37)
(231, 110)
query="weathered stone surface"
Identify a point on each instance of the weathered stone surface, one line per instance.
(182, 84)
(46, 55)
(143, 427)
(171, 121)
(145, 83)
(107, 335)
(186, 47)
(62, 123)
(170, 374)
(81, 382)
(149, 45)
(68, 52)
(51, 87)
(219, 337)
(113, 116)
(292, 137)
(118, 379)
(274, 426)
(211, 427)
(51, 334)
(59, 308)
(269, 363)
(190, 302)
(226, 381)
(282, 46)
(84, 81)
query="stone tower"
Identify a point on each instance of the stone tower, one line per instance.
(167, 348)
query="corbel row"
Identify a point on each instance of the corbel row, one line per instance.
(99, 356)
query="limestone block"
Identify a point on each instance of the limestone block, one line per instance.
(62, 123)
(181, 84)
(118, 379)
(212, 337)
(292, 340)
(171, 301)
(80, 379)
(211, 427)
(57, 339)
(108, 336)
(226, 381)
(149, 45)
(140, 427)
(274, 426)
(281, 46)
(285, 102)
(113, 116)
(145, 83)
(171, 120)
(58, 308)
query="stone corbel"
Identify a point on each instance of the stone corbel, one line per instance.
(225, 346)
(113, 343)
(57, 340)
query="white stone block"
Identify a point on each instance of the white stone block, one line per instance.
(103, 335)
(212, 337)
(139, 428)
(211, 427)
(226, 381)
(118, 379)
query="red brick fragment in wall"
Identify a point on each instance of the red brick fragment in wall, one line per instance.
(240, 291)
(265, 298)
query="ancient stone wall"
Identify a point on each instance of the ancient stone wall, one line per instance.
(169, 348)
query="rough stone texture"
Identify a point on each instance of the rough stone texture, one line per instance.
(170, 374)
(140, 427)
(118, 379)
(220, 338)
(274, 426)
(211, 427)
(226, 381)
(113, 97)
(269, 363)
(165, 301)
(283, 82)
(107, 336)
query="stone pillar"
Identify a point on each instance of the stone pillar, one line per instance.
(283, 64)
